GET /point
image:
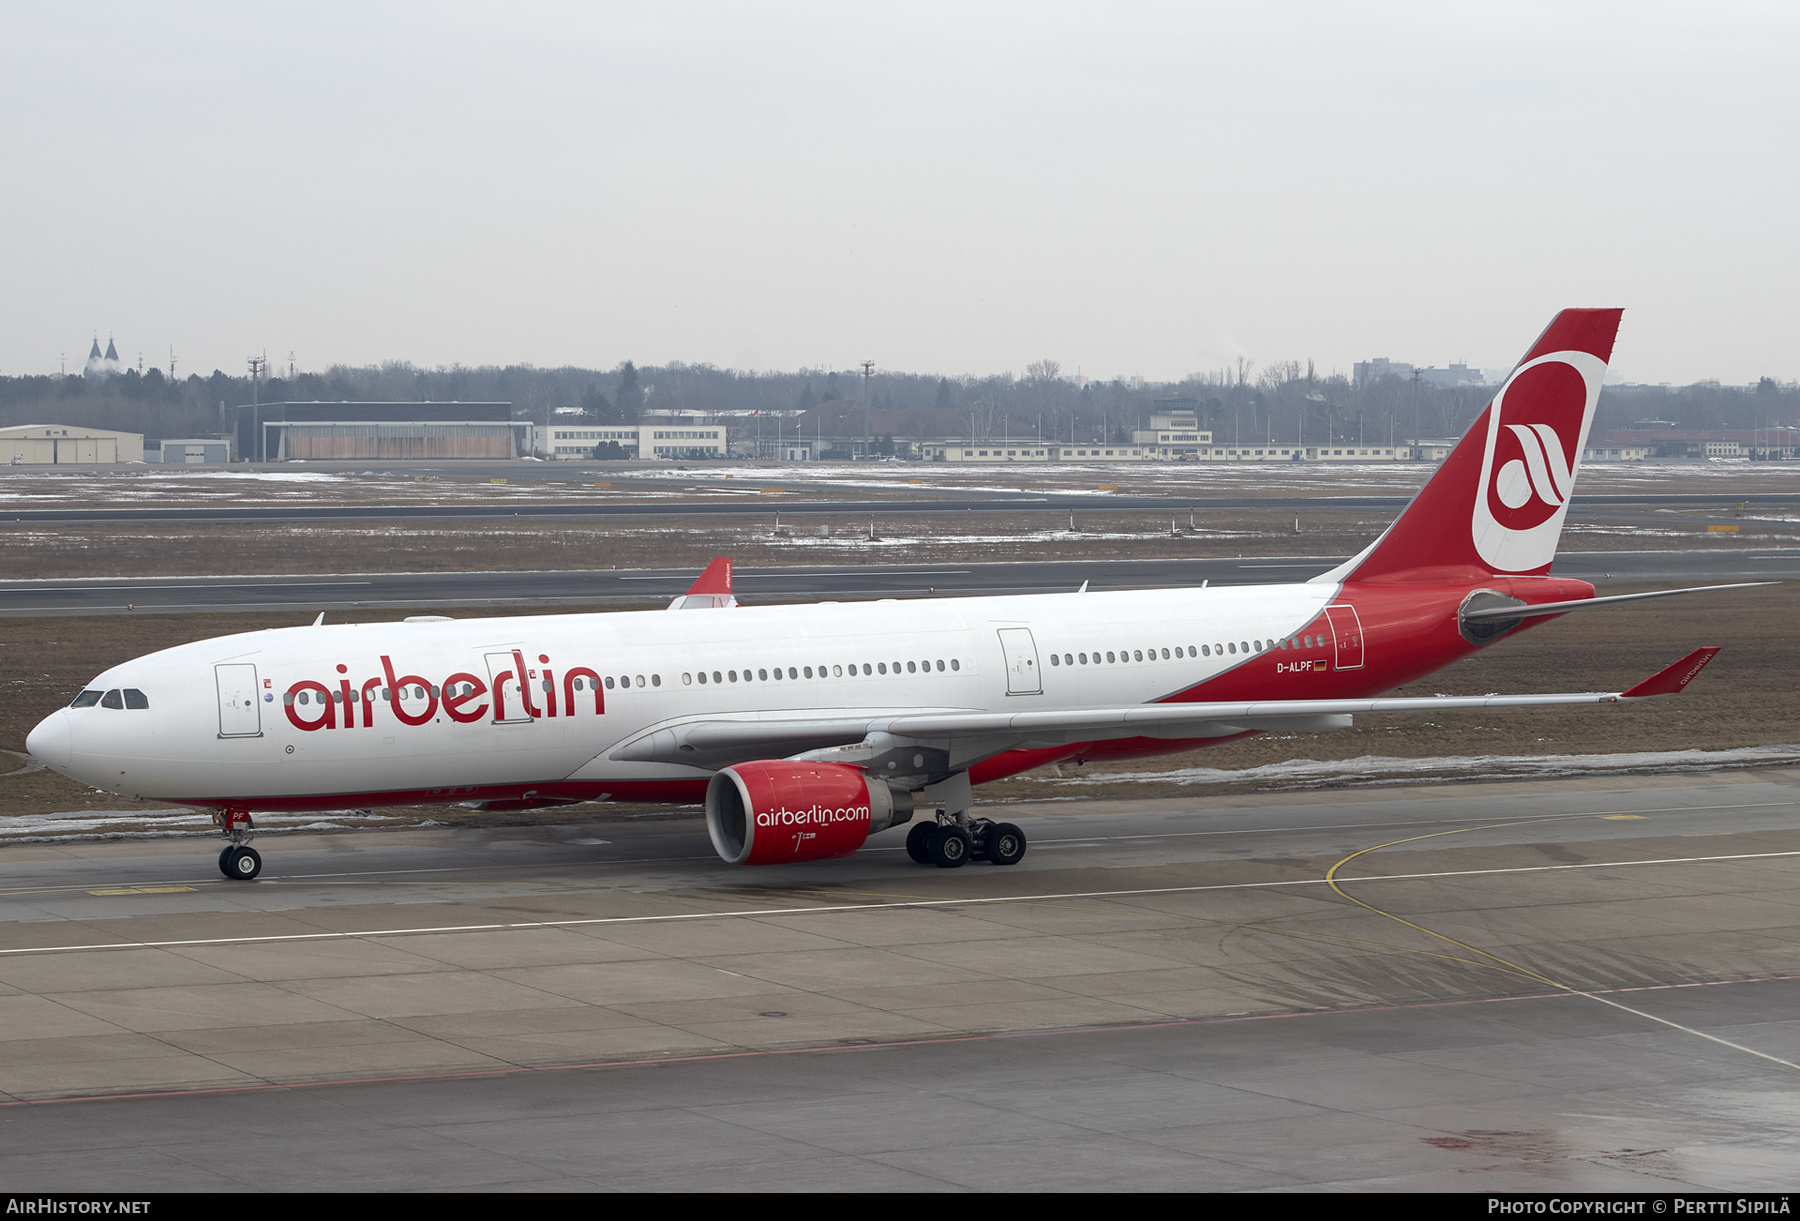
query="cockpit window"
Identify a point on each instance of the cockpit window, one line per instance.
(87, 699)
(112, 699)
(135, 698)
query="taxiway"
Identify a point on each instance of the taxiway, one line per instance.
(1568, 984)
(115, 595)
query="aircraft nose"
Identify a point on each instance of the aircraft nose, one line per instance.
(50, 742)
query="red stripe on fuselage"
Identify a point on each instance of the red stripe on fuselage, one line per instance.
(1408, 631)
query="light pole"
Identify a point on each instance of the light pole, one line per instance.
(868, 371)
(1415, 381)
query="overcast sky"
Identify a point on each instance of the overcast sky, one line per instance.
(950, 188)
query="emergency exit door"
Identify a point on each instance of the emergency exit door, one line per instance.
(1022, 677)
(239, 714)
(1346, 636)
(504, 668)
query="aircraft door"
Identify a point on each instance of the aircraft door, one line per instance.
(502, 668)
(1346, 636)
(1022, 677)
(239, 714)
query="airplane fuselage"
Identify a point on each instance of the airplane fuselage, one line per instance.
(535, 708)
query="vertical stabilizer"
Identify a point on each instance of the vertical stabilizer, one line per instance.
(1497, 504)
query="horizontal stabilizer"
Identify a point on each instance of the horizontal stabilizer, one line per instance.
(1673, 678)
(1557, 608)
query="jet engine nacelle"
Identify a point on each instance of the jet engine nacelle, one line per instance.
(774, 810)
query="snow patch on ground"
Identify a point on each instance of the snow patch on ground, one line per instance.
(149, 824)
(1380, 769)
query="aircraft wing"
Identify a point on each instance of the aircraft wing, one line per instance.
(719, 743)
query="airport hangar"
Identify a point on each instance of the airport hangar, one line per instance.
(282, 432)
(56, 444)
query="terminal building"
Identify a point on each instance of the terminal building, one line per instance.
(282, 432)
(669, 438)
(1666, 441)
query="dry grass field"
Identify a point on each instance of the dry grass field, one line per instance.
(531, 544)
(512, 484)
(508, 544)
(503, 542)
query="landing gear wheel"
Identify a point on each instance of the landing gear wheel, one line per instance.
(918, 842)
(950, 847)
(239, 863)
(1005, 844)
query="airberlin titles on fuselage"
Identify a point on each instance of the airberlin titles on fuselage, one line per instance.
(462, 696)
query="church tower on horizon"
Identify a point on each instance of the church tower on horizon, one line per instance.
(100, 367)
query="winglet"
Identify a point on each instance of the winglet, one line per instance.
(716, 579)
(1671, 679)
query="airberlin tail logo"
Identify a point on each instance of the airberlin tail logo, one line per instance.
(1536, 427)
(1534, 478)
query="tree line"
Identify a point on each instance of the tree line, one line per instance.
(1282, 402)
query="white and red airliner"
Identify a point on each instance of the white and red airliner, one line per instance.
(805, 729)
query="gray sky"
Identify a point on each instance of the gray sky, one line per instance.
(1146, 189)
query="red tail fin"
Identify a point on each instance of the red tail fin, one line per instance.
(1497, 503)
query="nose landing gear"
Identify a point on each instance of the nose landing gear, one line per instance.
(238, 861)
(949, 845)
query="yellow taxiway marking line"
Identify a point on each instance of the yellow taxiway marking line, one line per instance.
(326, 879)
(826, 909)
(1513, 967)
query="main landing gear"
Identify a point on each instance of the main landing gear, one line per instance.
(949, 845)
(239, 861)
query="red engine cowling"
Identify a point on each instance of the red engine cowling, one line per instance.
(774, 811)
